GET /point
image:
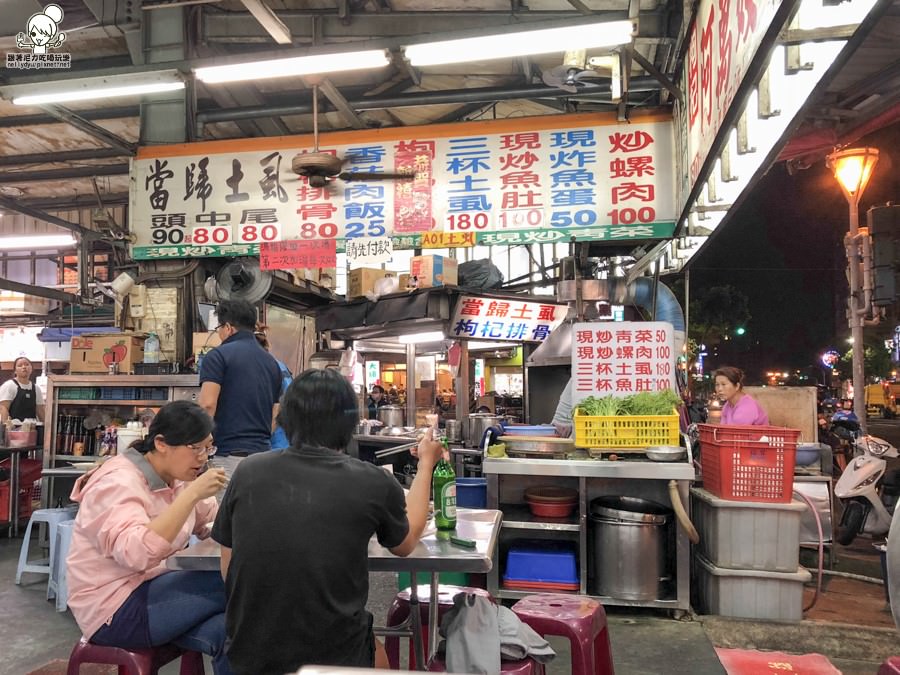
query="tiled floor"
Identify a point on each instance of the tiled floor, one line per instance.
(33, 634)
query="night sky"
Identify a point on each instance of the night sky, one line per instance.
(784, 249)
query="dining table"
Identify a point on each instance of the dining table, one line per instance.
(435, 553)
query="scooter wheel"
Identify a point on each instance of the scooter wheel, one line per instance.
(851, 523)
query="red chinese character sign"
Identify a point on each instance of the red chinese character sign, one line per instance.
(549, 179)
(506, 320)
(622, 358)
(723, 42)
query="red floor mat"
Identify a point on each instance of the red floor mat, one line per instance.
(752, 662)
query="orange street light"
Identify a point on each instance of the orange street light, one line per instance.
(852, 169)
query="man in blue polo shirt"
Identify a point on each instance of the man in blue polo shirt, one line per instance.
(240, 384)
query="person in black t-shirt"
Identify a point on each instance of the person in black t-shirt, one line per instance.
(295, 527)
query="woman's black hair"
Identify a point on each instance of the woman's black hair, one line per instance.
(19, 358)
(319, 408)
(179, 423)
(732, 374)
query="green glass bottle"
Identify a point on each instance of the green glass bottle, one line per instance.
(444, 483)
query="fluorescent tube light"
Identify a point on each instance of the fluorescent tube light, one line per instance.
(37, 242)
(66, 96)
(416, 338)
(300, 65)
(90, 88)
(521, 43)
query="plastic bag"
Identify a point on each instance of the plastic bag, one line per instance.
(480, 274)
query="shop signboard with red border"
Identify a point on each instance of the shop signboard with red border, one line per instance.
(526, 180)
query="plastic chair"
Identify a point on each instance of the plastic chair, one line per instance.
(399, 612)
(523, 667)
(56, 585)
(53, 517)
(890, 667)
(138, 662)
(577, 617)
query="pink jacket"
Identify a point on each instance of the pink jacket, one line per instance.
(112, 550)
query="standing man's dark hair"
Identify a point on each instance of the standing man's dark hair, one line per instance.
(239, 313)
(240, 383)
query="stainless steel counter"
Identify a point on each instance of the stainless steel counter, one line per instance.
(432, 555)
(590, 468)
(632, 476)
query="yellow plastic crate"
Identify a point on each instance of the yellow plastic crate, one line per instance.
(625, 431)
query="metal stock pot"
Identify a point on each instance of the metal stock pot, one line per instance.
(475, 426)
(391, 415)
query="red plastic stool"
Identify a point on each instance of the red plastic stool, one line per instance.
(138, 662)
(399, 612)
(576, 617)
(523, 667)
(890, 667)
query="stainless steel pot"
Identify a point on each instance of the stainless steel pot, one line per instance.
(392, 415)
(454, 433)
(476, 425)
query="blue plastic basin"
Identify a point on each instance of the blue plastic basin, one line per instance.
(545, 561)
(471, 493)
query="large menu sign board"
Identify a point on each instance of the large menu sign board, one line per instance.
(723, 41)
(526, 180)
(621, 358)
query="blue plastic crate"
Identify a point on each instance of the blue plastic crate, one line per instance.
(118, 393)
(471, 493)
(546, 561)
(153, 393)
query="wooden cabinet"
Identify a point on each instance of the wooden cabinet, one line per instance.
(109, 396)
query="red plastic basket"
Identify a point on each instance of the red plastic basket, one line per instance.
(748, 463)
(26, 493)
(29, 469)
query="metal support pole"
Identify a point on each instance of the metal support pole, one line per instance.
(411, 385)
(855, 316)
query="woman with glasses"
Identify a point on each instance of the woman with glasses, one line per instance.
(136, 510)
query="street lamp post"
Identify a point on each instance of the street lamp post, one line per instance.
(852, 170)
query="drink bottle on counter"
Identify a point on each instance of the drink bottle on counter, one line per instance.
(444, 483)
(151, 348)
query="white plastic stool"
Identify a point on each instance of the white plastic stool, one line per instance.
(57, 586)
(53, 517)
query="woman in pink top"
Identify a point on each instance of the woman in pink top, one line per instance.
(136, 510)
(739, 407)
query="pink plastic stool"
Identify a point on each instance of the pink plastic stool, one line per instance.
(580, 619)
(139, 662)
(523, 667)
(890, 667)
(399, 612)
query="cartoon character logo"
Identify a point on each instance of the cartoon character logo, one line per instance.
(42, 31)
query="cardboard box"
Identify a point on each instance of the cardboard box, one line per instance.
(434, 270)
(362, 280)
(404, 282)
(95, 352)
(203, 342)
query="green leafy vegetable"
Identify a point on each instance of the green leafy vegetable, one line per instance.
(642, 403)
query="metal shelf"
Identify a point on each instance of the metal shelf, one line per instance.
(519, 517)
(508, 594)
(111, 401)
(75, 458)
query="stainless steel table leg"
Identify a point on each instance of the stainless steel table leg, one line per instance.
(14, 492)
(414, 609)
(433, 614)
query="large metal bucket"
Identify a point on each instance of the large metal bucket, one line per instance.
(475, 426)
(630, 546)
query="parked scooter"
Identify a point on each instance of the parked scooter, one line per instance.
(867, 492)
